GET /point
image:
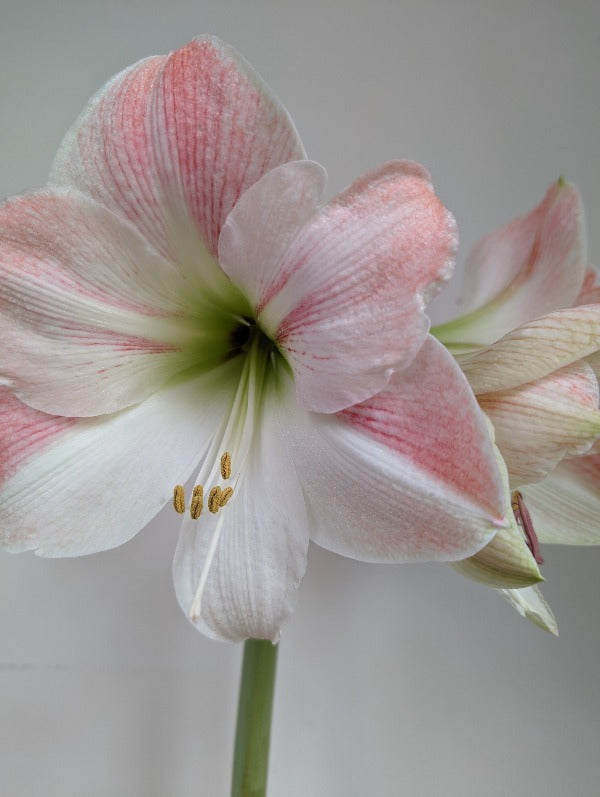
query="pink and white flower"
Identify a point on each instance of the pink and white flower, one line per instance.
(176, 292)
(529, 345)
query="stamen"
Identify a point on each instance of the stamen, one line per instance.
(234, 436)
(226, 465)
(214, 500)
(226, 494)
(197, 501)
(179, 499)
(523, 518)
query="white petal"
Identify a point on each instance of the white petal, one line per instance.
(77, 486)
(565, 506)
(530, 604)
(534, 349)
(263, 224)
(539, 423)
(252, 581)
(409, 475)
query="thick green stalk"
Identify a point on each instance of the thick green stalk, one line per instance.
(253, 730)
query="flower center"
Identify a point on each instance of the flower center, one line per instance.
(240, 335)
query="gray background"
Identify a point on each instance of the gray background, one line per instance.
(392, 680)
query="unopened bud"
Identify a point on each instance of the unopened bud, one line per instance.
(506, 562)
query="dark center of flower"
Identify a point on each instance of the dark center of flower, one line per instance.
(239, 337)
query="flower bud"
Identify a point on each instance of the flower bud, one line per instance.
(506, 562)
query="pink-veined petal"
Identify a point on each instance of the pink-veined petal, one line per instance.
(92, 319)
(539, 423)
(534, 349)
(346, 305)
(565, 506)
(532, 266)
(252, 580)
(76, 486)
(173, 142)
(530, 604)
(408, 475)
(265, 221)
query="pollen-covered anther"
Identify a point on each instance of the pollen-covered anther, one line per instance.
(226, 465)
(197, 502)
(179, 499)
(214, 500)
(226, 494)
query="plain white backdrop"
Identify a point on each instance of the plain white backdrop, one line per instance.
(392, 680)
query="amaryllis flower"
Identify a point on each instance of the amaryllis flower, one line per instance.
(175, 306)
(529, 345)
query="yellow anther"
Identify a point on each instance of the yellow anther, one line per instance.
(214, 498)
(197, 501)
(179, 499)
(226, 465)
(226, 494)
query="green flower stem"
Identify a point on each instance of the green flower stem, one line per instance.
(253, 731)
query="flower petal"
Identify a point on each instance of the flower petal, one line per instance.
(91, 317)
(174, 141)
(590, 291)
(565, 506)
(539, 423)
(530, 604)
(594, 362)
(409, 475)
(506, 561)
(530, 267)
(260, 558)
(76, 486)
(264, 222)
(346, 306)
(534, 349)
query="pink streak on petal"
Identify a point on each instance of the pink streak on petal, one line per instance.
(430, 416)
(64, 240)
(172, 142)
(221, 131)
(24, 432)
(82, 294)
(347, 304)
(114, 160)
